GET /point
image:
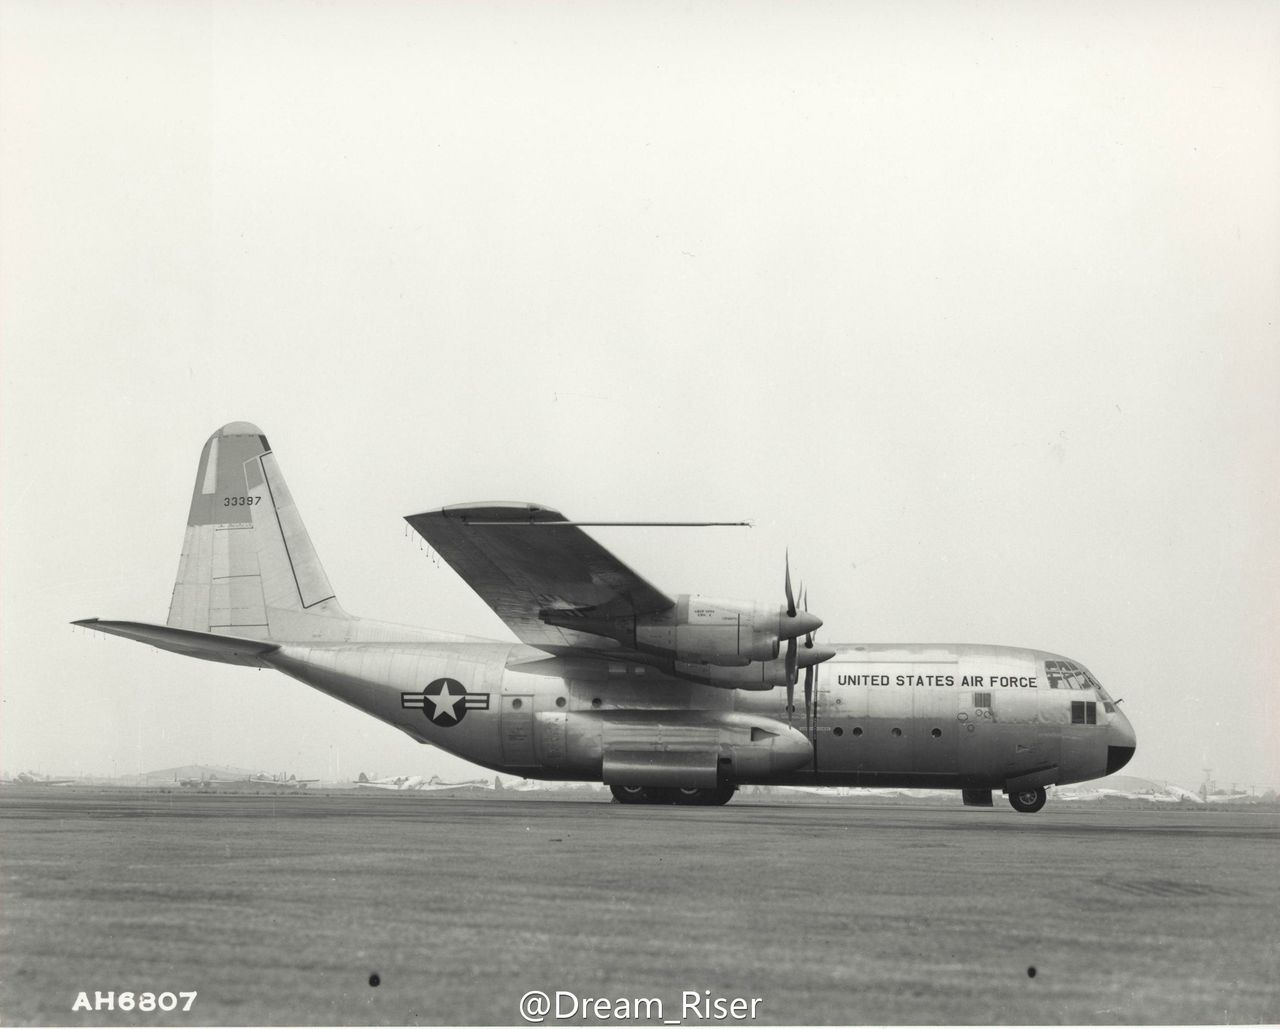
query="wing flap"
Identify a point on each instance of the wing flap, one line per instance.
(523, 561)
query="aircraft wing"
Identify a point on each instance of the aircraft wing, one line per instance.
(523, 564)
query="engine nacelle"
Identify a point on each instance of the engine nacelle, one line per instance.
(760, 675)
(699, 630)
(714, 631)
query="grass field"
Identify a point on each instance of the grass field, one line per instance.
(279, 909)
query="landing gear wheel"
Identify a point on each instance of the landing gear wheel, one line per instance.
(723, 794)
(704, 797)
(1028, 801)
(683, 795)
(632, 794)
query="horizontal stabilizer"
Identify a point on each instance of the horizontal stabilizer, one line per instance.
(229, 650)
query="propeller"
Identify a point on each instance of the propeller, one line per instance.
(792, 656)
(801, 624)
(808, 674)
(791, 623)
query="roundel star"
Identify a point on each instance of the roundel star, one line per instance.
(445, 700)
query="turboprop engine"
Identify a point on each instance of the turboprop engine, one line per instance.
(699, 630)
(702, 630)
(732, 644)
(759, 675)
(706, 630)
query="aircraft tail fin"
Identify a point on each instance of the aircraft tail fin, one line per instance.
(248, 568)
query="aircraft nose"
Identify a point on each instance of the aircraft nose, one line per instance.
(1122, 741)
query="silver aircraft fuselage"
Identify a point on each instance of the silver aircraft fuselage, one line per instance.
(936, 716)
(664, 698)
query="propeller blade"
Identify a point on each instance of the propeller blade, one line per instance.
(791, 700)
(791, 600)
(808, 701)
(793, 659)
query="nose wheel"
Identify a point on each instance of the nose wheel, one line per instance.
(1028, 801)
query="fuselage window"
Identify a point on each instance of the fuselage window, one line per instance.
(1084, 712)
(895, 731)
(837, 731)
(936, 734)
(857, 730)
(982, 700)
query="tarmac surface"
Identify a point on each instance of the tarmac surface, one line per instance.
(282, 909)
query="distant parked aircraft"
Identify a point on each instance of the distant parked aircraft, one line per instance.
(422, 782)
(35, 779)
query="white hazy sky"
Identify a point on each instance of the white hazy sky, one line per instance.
(972, 305)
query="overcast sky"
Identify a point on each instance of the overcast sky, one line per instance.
(973, 306)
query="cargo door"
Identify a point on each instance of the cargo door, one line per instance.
(516, 727)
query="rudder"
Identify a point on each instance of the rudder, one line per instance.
(248, 567)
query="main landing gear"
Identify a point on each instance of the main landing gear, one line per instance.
(1028, 801)
(680, 795)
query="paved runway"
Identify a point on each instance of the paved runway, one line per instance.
(280, 909)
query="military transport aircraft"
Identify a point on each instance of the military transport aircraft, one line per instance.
(665, 699)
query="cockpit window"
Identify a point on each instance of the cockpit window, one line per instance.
(1067, 675)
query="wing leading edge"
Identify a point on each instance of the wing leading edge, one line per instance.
(526, 562)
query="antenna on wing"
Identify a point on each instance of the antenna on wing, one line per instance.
(481, 522)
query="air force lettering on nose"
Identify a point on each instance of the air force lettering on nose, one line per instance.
(974, 681)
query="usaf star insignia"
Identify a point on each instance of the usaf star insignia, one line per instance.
(445, 702)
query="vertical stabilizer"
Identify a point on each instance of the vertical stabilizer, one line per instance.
(248, 568)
